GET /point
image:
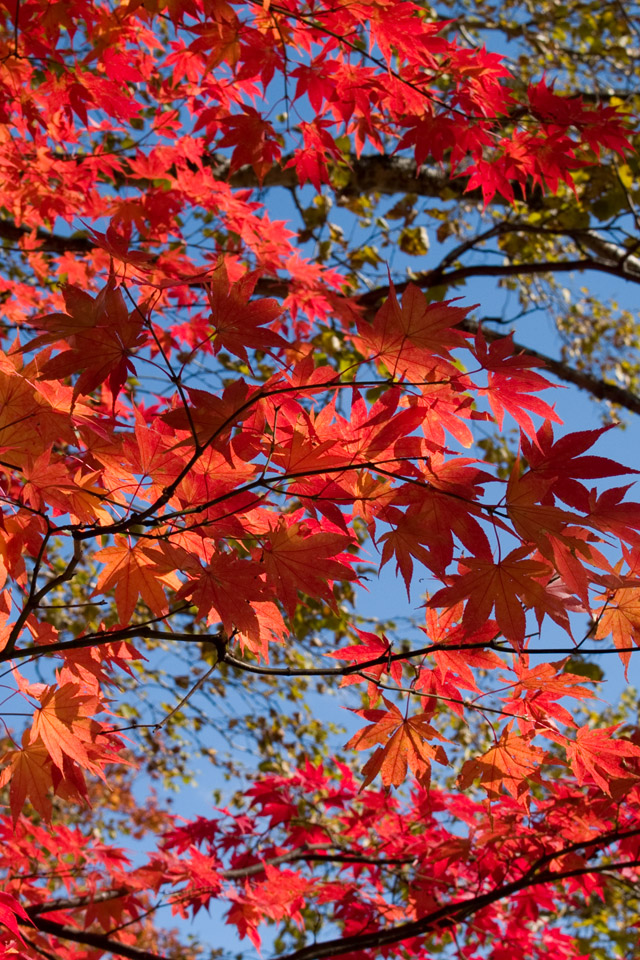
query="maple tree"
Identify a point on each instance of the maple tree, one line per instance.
(211, 434)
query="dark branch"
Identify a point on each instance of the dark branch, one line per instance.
(53, 243)
(72, 903)
(99, 940)
(446, 916)
(439, 278)
(309, 857)
(367, 174)
(144, 631)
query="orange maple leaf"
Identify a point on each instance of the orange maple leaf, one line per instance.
(550, 679)
(132, 573)
(505, 586)
(28, 772)
(224, 590)
(405, 745)
(63, 724)
(620, 617)
(310, 564)
(540, 688)
(508, 764)
(31, 419)
(51, 484)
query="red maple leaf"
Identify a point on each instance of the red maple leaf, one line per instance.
(595, 755)
(100, 335)
(10, 910)
(371, 648)
(511, 382)
(238, 322)
(252, 139)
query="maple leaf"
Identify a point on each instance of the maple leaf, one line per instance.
(116, 242)
(505, 586)
(376, 432)
(50, 483)
(596, 755)
(90, 667)
(443, 629)
(10, 910)
(101, 336)
(558, 464)
(301, 454)
(151, 456)
(133, 573)
(406, 745)
(620, 617)
(210, 417)
(509, 764)
(511, 383)
(239, 322)
(549, 679)
(531, 518)
(554, 108)
(491, 177)
(540, 688)
(371, 648)
(62, 723)
(311, 161)
(610, 513)
(405, 543)
(219, 38)
(30, 418)
(253, 141)
(432, 521)
(225, 589)
(280, 895)
(28, 773)
(296, 559)
(410, 339)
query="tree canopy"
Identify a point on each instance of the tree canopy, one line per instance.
(242, 375)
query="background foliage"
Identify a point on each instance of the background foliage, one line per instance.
(204, 206)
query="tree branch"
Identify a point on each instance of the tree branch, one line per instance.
(616, 261)
(99, 940)
(53, 243)
(145, 631)
(446, 916)
(309, 857)
(72, 903)
(440, 278)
